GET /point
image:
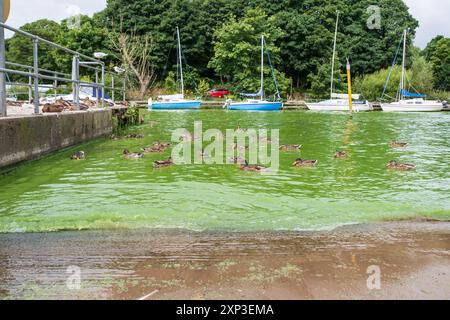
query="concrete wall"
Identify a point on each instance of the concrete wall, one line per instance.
(28, 137)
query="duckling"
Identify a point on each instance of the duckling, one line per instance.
(253, 167)
(239, 129)
(114, 137)
(132, 155)
(80, 155)
(340, 154)
(290, 147)
(163, 163)
(304, 163)
(400, 166)
(397, 144)
(264, 139)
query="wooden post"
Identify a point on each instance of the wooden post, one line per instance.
(349, 81)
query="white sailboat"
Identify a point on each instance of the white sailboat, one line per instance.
(175, 101)
(338, 102)
(257, 104)
(417, 104)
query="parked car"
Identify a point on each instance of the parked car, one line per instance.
(219, 93)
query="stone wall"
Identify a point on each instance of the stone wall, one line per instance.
(29, 137)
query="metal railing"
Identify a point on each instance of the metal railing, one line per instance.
(35, 74)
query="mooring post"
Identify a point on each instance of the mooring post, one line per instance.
(2, 65)
(55, 85)
(36, 75)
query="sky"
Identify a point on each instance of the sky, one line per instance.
(433, 15)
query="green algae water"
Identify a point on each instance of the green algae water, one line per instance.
(106, 191)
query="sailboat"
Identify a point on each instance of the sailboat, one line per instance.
(260, 104)
(338, 102)
(417, 103)
(175, 101)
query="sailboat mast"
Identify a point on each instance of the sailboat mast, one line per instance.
(334, 55)
(262, 68)
(402, 81)
(180, 61)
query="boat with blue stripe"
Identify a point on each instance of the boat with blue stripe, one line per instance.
(256, 105)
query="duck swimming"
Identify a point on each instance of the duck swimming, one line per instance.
(304, 163)
(163, 163)
(132, 155)
(80, 155)
(340, 154)
(253, 167)
(290, 147)
(398, 144)
(135, 136)
(156, 147)
(394, 165)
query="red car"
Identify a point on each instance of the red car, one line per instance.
(219, 93)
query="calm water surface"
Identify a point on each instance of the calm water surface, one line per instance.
(107, 191)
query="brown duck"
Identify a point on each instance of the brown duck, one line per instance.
(80, 155)
(252, 167)
(304, 163)
(290, 147)
(398, 144)
(340, 154)
(394, 165)
(132, 155)
(163, 163)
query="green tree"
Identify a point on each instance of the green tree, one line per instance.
(237, 50)
(440, 60)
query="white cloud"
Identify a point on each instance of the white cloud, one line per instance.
(433, 17)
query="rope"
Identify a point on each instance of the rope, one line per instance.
(392, 69)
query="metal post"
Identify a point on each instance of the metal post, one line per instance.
(103, 84)
(124, 89)
(36, 75)
(76, 81)
(96, 83)
(55, 85)
(30, 87)
(2, 65)
(112, 86)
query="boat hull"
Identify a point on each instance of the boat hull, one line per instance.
(175, 105)
(393, 107)
(338, 107)
(265, 106)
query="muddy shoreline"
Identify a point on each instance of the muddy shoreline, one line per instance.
(413, 259)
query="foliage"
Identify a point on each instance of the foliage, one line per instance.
(203, 88)
(170, 84)
(440, 60)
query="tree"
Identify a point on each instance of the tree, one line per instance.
(20, 48)
(135, 54)
(440, 60)
(237, 48)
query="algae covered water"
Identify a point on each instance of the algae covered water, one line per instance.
(107, 191)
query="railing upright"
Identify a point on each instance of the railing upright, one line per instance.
(36, 75)
(2, 65)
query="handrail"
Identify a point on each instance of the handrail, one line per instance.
(37, 73)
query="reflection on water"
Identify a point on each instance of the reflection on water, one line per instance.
(108, 191)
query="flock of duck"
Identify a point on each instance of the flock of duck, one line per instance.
(161, 147)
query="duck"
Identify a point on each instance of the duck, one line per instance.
(237, 160)
(239, 129)
(253, 167)
(135, 136)
(290, 147)
(80, 155)
(132, 155)
(398, 144)
(393, 164)
(340, 154)
(156, 147)
(163, 163)
(304, 163)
